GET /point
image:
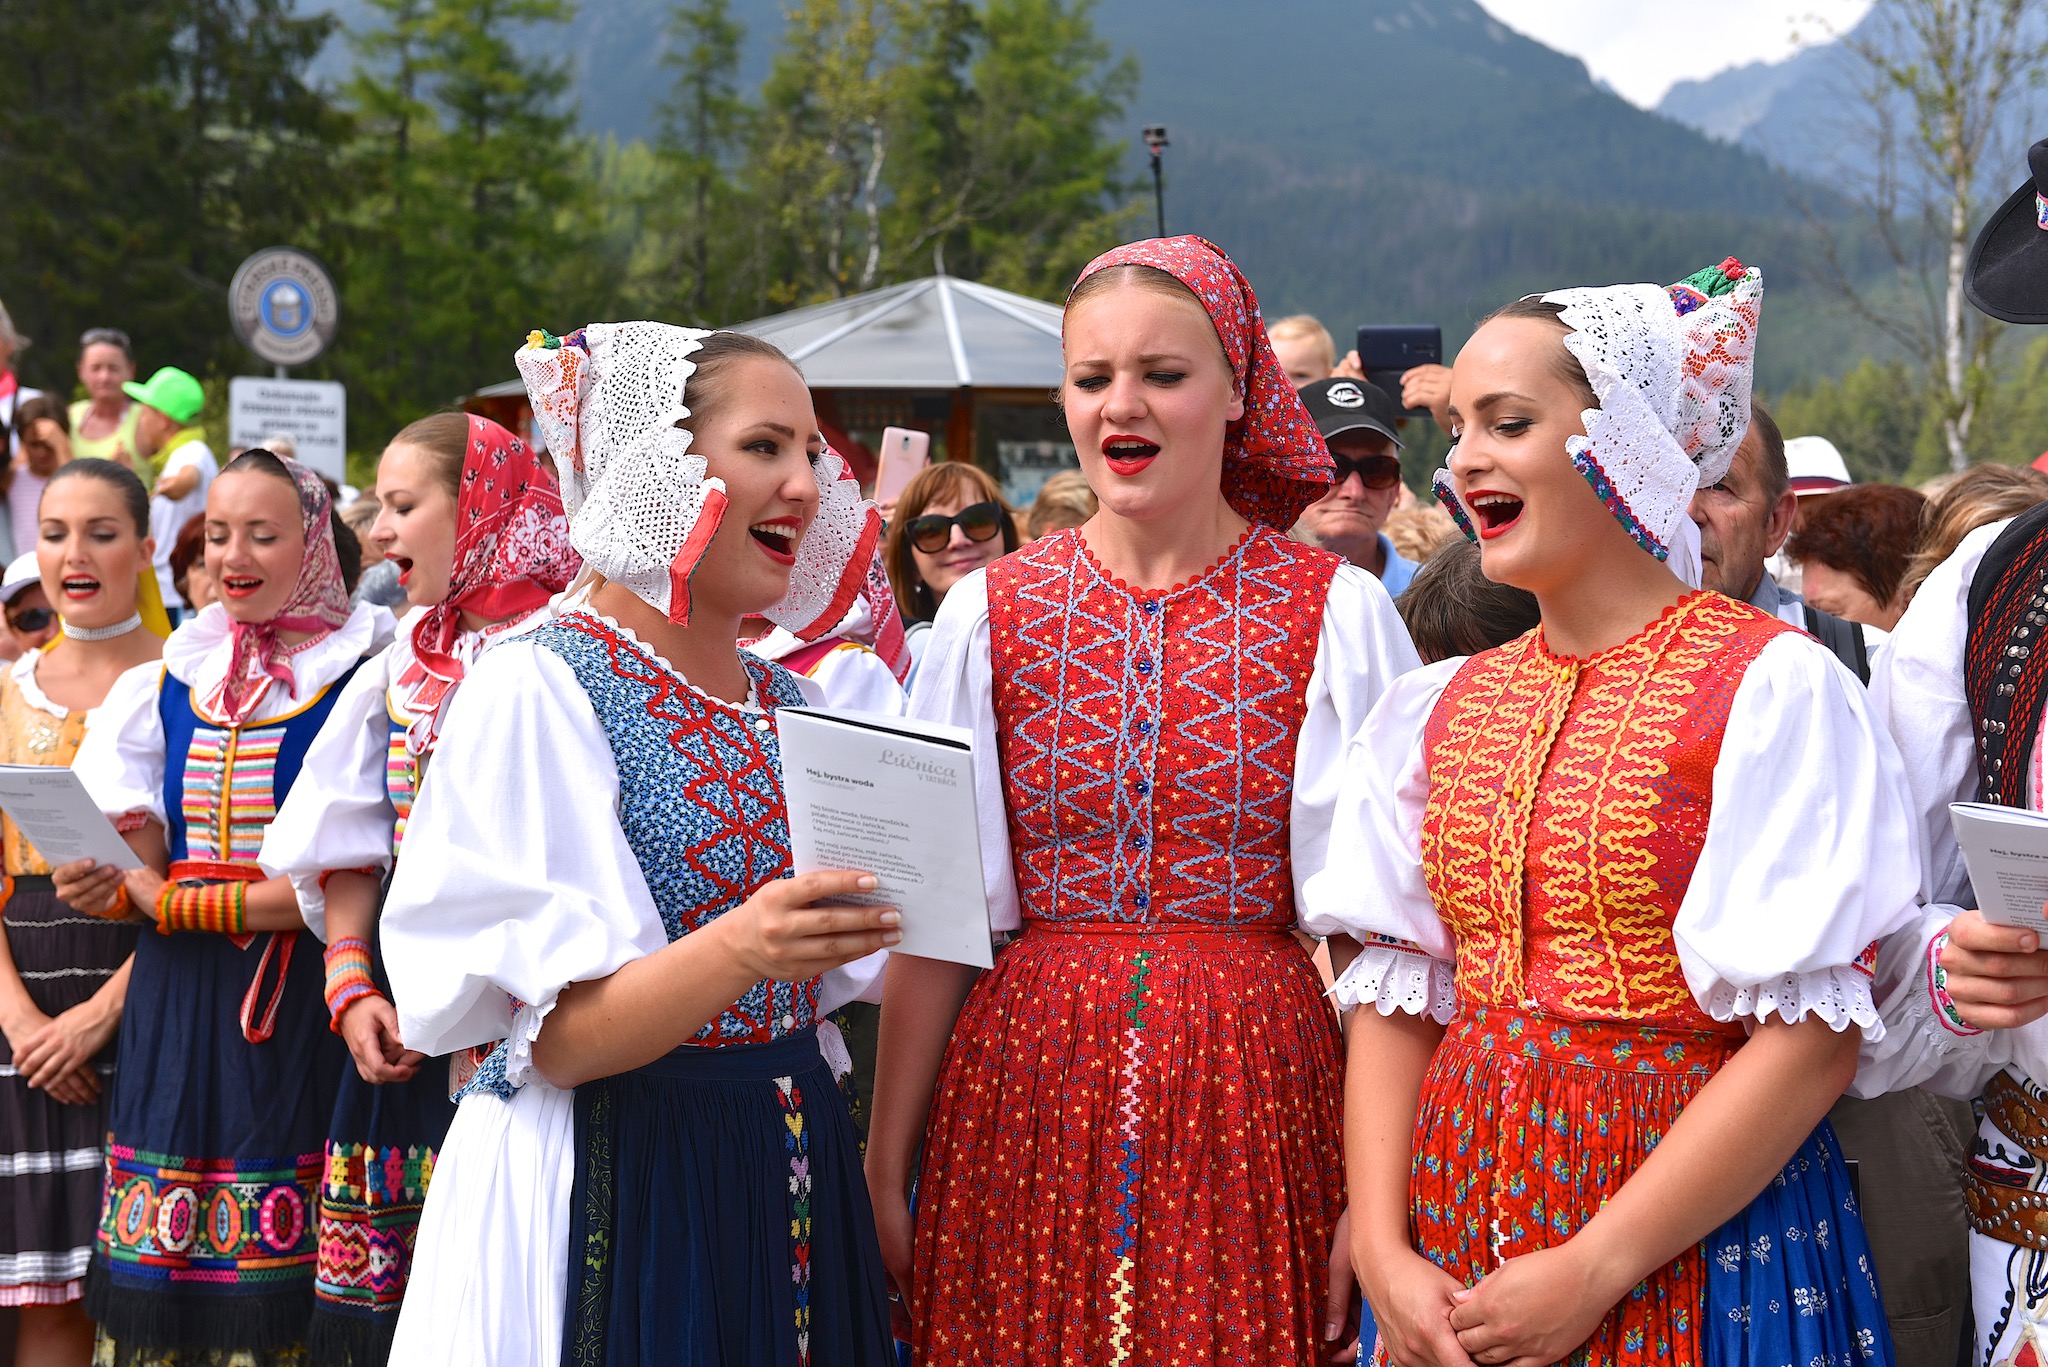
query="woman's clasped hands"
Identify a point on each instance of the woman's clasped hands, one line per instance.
(1534, 1310)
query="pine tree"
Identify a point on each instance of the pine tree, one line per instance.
(146, 147)
(473, 202)
(704, 124)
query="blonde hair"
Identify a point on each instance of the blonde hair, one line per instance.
(1418, 533)
(1063, 501)
(1977, 496)
(1303, 327)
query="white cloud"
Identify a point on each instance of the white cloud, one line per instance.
(1643, 47)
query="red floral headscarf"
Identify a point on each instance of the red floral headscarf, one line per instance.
(319, 603)
(512, 554)
(1274, 461)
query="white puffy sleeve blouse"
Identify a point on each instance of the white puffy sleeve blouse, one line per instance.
(518, 879)
(1808, 857)
(1361, 650)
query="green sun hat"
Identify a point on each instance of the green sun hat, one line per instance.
(170, 392)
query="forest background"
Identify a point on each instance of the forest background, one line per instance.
(473, 169)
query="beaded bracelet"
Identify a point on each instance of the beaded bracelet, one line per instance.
(218, 907)
(120, 908)
(348, 977)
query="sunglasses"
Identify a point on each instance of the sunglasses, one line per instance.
(931, 532)
(1374, 472)
(31, 620)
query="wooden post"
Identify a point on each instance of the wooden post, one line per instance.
(960, 426)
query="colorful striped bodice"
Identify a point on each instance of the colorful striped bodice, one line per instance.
(224, 784)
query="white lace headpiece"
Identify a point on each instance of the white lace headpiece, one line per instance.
(642, 505)
(1672, 370)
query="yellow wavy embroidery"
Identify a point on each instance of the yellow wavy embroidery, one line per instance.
(1596, 739)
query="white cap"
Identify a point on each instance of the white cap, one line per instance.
(1815, 465)
(20, 574)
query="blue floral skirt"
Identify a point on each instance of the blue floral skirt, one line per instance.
(1530, 1122)
(719, 1217)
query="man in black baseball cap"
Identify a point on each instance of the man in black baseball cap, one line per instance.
(1358, 422)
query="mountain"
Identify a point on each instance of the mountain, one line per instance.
(1809, 115)
(1366, 160)
(1727, 105)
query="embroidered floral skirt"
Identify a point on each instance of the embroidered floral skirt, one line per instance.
(1529, 1123)
(206, 1241)
(1133, 1154)
(719, 1217)
(380, 1157)
(51, 1153)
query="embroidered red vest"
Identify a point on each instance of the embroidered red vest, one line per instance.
(1148, 739)
(1567, 807)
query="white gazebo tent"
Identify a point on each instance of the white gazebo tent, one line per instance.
(975, 366)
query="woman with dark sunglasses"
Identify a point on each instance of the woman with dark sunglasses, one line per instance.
(950, 522)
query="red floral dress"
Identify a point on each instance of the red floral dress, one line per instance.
(1134, 1152)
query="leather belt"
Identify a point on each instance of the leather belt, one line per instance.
(2012, 1215)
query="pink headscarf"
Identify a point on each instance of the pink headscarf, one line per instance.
(318, 603)
(1274, 461)
(512, 554)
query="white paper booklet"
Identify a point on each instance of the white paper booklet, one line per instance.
(894, 798)
(2006, 849)
(59, 817)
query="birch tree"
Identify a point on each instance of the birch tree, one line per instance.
(1938, 88)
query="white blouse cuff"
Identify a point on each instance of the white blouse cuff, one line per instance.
(1840, 996)
(526, 1023)
(1394, 979)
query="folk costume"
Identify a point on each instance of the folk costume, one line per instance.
(1600, 873)
(1147, 1087)
(53, 1167)
(348, 812)
(860, 666)
(589, 806)
(207, 1239)
(1963, 688)
(862, 663)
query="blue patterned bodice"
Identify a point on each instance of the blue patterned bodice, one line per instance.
(700, 798)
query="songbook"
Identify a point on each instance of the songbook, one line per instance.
(50, 806)
(2006, 849)
(894, 798)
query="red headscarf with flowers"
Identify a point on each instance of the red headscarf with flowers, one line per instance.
(512, 554)
(318, 603)
(1274, 461)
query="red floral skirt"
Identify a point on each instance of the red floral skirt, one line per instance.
(1528, 1124)
(1134, 1154)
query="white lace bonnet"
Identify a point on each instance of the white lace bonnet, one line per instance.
(1672, 369)
(641, 505)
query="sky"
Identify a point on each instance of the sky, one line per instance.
(1642, 47)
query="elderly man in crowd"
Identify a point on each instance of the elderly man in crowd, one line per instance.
(1744, 521)
(1907, 1148)
(1358, 421)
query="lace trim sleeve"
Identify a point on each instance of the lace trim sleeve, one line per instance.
(526, 1023)
(1840, 996)
(1394, 978)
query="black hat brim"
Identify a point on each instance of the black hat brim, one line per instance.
(1340, 426)
(2007, 274)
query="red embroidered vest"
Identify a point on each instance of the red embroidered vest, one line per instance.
(1568, 803)
(1147, 739)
